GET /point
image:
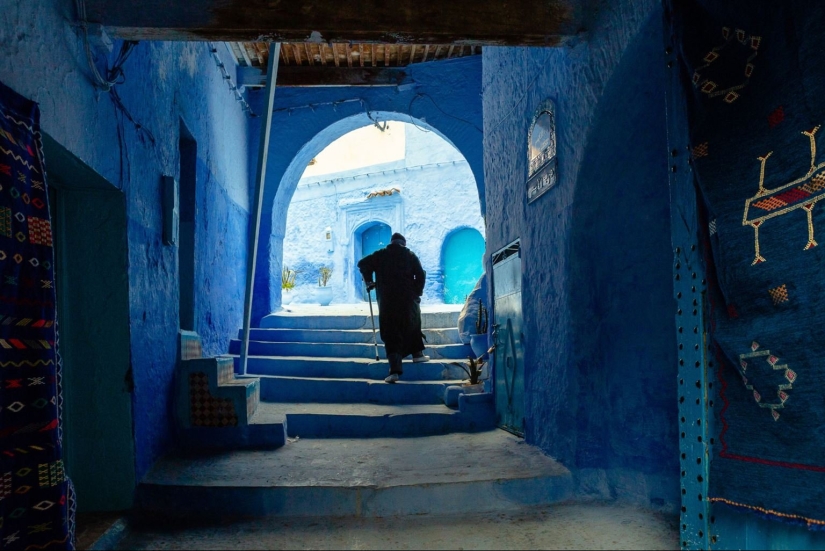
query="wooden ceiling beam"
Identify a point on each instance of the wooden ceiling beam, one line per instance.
(524, 23)
(296, 51)
(317, 75)
(310, 57)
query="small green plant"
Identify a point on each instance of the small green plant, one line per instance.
(472, 367)
(324, 274)
(482, 319)
(288, 278)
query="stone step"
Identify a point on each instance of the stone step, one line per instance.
(253, 436)
(343, 350)
(476, 412)
(347, 368)
(291, 320)
(489, 471)
(204, 382)
(318, 390)
(433, 336)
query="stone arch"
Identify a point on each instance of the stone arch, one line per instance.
(274, 218)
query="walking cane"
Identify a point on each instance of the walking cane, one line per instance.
(374, 338)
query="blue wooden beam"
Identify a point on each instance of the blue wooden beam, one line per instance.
(260, 179)
(689, 290)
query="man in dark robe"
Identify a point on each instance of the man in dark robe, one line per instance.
(398, 284)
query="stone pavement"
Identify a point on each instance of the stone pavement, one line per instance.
(561, 526)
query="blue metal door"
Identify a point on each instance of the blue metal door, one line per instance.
(508, 338)
(377, 237)
(372, 239)
(461, 264)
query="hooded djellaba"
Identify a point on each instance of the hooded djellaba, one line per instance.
(399, 284)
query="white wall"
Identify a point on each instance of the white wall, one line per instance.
(438, 194)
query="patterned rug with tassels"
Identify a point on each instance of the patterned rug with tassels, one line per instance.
(35, 495)
(754, 75)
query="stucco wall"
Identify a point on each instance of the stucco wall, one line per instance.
(438, 195)
(600, 354)
(43, 59)
(441, 96)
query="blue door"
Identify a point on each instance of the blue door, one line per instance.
(374, 238)
(461, 262)
(509, 339)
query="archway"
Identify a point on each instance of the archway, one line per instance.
(354, 211)
(461, 263)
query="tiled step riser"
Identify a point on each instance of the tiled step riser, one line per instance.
(245, 394)
(364, 336)
(348, 369)
(429, 320)
(345, 350)
(312, 501)
(331, 391)
(476, 413)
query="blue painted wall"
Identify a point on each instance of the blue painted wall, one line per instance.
(600, 353)
(43, 59)
(442, 96)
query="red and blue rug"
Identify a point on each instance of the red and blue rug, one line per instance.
(34, 490)
(754, 75)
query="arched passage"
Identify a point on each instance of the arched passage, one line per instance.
(344, 205)
(444, 97)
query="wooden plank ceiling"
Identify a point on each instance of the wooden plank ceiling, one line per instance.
(342, 63)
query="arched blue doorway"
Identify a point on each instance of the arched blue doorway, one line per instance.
(368, 239)
(461, 260)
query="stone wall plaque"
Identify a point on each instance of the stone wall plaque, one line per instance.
(542, 171)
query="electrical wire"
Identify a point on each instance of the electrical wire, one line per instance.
(228, 79)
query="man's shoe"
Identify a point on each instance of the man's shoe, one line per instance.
(392, 378)
(421, 358)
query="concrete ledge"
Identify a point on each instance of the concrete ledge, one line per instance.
(111, 537)
(321, 390)
(267, 436)
(418, 499)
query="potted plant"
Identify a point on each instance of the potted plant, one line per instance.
(324, 293)
(287, 284)
(473, 367)
(478, 341)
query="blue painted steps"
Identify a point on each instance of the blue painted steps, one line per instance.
(345, 368)
(433, 336)
(337, 420)
(367, 391)
(438, 475)
(343, 350)
(290, 320)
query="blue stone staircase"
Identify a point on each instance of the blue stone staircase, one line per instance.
(356, 446)
(319, 376)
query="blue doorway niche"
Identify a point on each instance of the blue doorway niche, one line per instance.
(461, 260)
(368, 239)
